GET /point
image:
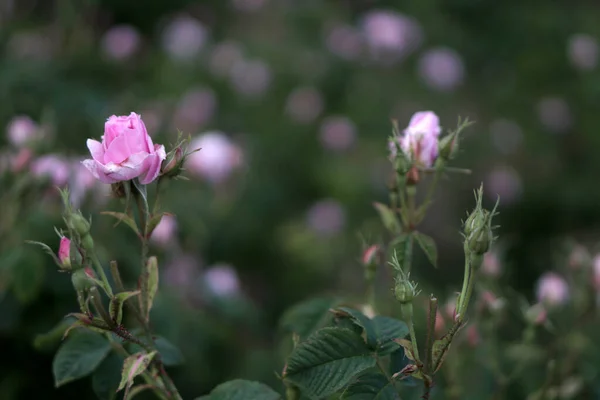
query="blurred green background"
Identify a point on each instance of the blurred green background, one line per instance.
(297, 97)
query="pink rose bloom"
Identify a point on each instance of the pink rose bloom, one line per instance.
(64, 250)
(126, 152)
(552, 289)
(420, 140)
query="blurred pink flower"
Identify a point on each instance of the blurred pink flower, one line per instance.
(22, 130)
(337, 133)
(473, 336)
(165, 231)
(222, 280)
(304, 105)
(583, 51)
(224, 56)
(390, 33)
(370, 254)
(491, 265)
(344, 41)
(126, 152)
(182, 272)
(441, 69)
(552, 289)
(21, 160)
(554, 113)
(440, 324)
(326, 217)
(504, 181)
(250, 77)
(195, 109)
(218, 157)
(506, 135)
(120, 42)
(420, 140)
(52, 166)
(249, 5)
(81, 182)
(184, 37)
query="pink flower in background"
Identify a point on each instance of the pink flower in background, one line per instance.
(326, 217)
(337, 133)
(250, 77)
(391, 32)
(195, 109)
(473, 336)
(184, 37)
(64, 251)
(224, 57)
(21, 160)
(222, 280)
(491, 265)
(504, 181)
(120, 42)
(442, 69)
(440, 324)
(506, 135)
(583, 51)
(126, 152)
(165, 231)
(218, 157)
(420, 140)
(554, 113)
(370, 254)
(182, 272)
(52, 166)
(596, 268)
(80, 183)
(552, 289)
(304, 105)
(344, 41)
(22, 130)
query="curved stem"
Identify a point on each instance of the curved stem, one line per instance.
(413, 339)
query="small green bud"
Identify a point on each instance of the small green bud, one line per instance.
(82, 279)
(478, 227)
(87, 243)
(405, 291)
(78, 223)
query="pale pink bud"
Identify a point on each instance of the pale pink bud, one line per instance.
(217, 159)
(89, 272)
(552, 289)
(165, 231)
(370, 254)
(420, 140)
(390, 34)
(64, 251)
(22, 130)
(126, 152)
(583, 51)
(491, 265)
(222, 280)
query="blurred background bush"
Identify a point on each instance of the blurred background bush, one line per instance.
(291, 103)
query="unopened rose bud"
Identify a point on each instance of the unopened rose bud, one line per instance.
(78, 223)
(64, 251)
(478, 229)
(81, 279)
(552, 290)
(369, 260)
(404, 291)
(449, 146)
(174, 163)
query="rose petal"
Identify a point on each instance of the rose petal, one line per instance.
(118, 151)
(96, 150)
(132, 168)
(98, 170)
(113, 127)
(154, 163)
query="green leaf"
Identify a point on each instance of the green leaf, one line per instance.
(441, 347)
(386, 330)
(327, 361)
(371, 386)
(107, 376)
(362, 321)
(122, 217)
(116, 305)
(169, 353)
(133, 366)
(79, 356)
(149, 286)
(388, 218)
(428, 246)
(137, 390)
(306, 317)
(52, 338)
(240, 389)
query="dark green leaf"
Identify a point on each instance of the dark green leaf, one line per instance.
(388, 218)
(133, 366)
(306, 317)
(169, 353)
(362, 321)
(241, 390)
(428, 246)
(327, 361)
(386, 330)
(79, 356)
(149, 286)
(371, 386)
(107, 376)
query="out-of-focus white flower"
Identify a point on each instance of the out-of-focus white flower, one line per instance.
(250, 77)
(554, 113)
(506, 135)
(326, 217)
(195, 109)
(184, 37)
(21, 130)
(441, 69)
(120, 42)
(552, 289)
(224, 57)
(504, 181)
(304, 105)
(344, 41)
(52, 166)
(165, 231)
(222, 280)
(218, 157)
(337, 133)
(391, 33)
(583, 51)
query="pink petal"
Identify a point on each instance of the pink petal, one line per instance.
(154, 163)
(118, 151)
(113, 128)
(96, 150)
(98, 170)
